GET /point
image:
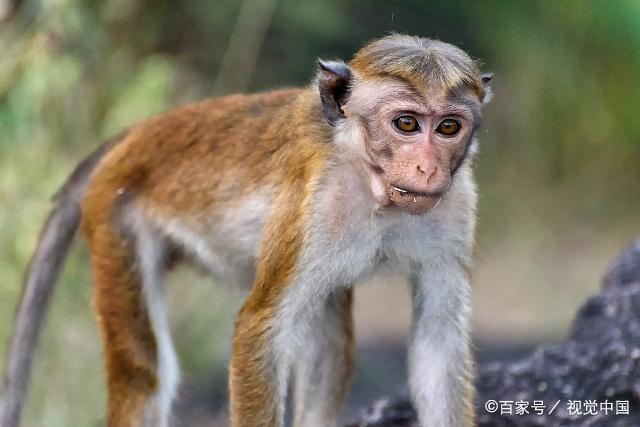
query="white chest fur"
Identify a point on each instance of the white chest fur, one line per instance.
(351, 237)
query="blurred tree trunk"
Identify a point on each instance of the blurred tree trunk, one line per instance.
(8, 9)
(245, 42)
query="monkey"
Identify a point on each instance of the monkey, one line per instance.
(294, 194)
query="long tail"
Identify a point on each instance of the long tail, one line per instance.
(45, 265)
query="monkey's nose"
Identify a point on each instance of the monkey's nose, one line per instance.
(427, 172)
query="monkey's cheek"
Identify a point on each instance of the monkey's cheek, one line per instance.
(379, 191)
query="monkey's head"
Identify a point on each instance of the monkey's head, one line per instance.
(409, 108)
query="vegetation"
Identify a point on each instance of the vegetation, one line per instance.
(558, 169)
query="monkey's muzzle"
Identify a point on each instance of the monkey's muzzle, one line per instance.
(414, 202)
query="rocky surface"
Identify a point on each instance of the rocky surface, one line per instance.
(598, 365)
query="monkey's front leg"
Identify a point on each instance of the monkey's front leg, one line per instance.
(278, 325)
(440, 364)
(259, 365)
(268, 327)
(324, 363)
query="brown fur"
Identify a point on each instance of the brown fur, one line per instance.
(349, 350)
(425, 64)
(130, 349)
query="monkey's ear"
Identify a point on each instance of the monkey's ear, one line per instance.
(486, 78)
(333, 82)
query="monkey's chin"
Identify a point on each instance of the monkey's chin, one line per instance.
(386, 195)
(415, 205)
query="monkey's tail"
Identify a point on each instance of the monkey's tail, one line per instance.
(45, 265)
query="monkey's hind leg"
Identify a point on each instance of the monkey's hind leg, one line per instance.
(142, 368)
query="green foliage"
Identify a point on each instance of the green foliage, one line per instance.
(561, 148)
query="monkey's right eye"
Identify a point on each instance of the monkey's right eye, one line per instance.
(407, 124)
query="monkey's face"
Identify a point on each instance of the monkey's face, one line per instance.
(413, 143)
(410, 110)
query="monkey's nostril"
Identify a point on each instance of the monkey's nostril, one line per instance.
(421, 169)
(432, 174)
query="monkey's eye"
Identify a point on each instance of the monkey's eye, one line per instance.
(407, 124)
(448, 127)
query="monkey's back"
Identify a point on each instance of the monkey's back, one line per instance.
(201, 153)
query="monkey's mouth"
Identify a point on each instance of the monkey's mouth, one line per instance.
(415, 202)
(410, 193)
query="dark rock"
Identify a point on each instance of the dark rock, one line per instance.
(598, 362)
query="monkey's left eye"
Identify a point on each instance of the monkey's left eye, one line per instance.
(448, 127)
(407, 124)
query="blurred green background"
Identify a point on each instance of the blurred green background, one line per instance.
(558, 171)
